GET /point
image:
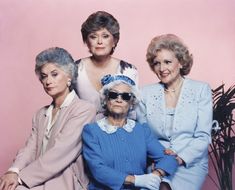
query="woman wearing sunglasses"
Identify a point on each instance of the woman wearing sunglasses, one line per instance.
(116, 147)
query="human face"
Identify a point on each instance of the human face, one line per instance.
(114, 95)
(101, 42)
(117, 105)
(167, 67)
(54, 80)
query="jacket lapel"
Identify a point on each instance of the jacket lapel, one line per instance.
(160, 107)
(59, 123)
(42, 130)
(180, 107)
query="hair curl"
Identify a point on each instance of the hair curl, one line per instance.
(106, 88)
(99, 20)
(173, 43)
(62, 59)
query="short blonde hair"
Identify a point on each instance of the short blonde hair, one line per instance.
(173, 43)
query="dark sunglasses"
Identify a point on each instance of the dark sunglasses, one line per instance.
(114, 95)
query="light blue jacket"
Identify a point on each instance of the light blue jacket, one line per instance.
(192, 120)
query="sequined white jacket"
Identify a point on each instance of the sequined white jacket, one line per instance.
(192, 120)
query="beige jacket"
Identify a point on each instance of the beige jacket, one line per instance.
(61, 166)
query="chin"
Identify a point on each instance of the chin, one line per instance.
(117, 115)
(102, 53)
(51, 94)
(117, 111)
(165, 81)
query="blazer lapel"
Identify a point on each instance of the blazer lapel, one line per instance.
(56, 128)
(42, 130)
(59, 123)
(160, 109)
(179, 109)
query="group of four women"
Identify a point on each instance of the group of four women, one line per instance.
(153, 139)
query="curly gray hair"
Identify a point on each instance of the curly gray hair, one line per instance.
(62, 59)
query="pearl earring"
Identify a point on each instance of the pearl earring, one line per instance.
(69, 83)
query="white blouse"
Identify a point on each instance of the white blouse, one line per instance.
(69, 98)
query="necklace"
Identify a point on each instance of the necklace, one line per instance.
(175, 89)
(56, 109)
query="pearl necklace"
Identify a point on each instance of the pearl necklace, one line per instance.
(177, 87)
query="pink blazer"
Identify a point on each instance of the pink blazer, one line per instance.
(61, 166)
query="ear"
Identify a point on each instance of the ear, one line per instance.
(104, 105)
(131, 104)
(69, 82)
(181, 66)
(115, 41)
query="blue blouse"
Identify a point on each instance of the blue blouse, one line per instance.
(113, 156)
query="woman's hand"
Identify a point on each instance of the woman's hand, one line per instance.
(150, 181)
(180, 160)
(9, 181)
(171, 152)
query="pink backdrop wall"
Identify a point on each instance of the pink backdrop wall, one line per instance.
(27, 27)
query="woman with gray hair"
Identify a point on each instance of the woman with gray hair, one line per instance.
(51, 158)
(116, 147)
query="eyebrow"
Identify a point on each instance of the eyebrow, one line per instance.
(50, 72)
(113, 90)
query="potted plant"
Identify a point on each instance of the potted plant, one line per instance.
(222, 148)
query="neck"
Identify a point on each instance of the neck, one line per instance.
(101, 61)
(175, 86)
(120, 122)
(59, 99)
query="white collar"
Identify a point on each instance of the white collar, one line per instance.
(105, 126)
(67, 101)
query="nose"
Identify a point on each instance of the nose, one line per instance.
(48, 81)
(119, 98)
(100, 40)
(162, 67)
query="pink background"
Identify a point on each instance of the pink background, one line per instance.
(27, 27)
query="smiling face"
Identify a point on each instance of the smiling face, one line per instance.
(54, 80)
(117, 106)
(167, 67)
(101, 42)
